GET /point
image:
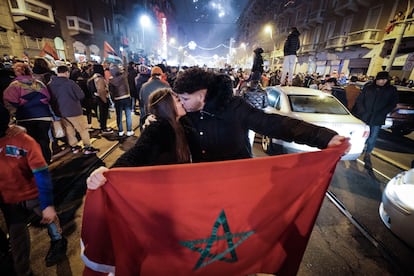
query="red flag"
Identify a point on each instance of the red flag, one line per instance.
(110, 54)
(220, 218)
(50, 51)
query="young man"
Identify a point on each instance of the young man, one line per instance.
(68, 96)
(376, 100)
(221, 121)
(26, 186)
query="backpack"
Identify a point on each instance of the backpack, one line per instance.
(90, 84)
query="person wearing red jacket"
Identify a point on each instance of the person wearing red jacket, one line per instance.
(25, 185)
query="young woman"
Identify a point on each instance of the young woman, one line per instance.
(163, 142)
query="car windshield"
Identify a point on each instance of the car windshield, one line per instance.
(316, 104)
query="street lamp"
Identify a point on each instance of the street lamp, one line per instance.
(268, 29)
(145, 21)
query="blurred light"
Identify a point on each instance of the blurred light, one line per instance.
(145, 20)
(192, 45)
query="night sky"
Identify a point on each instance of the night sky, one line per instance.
(203, 24)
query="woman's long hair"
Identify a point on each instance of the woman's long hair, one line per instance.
(161, 104)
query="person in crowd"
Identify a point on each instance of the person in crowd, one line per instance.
(6, 77)
(132, 74)
(149, 87)
(257, 68)
(27, 99)
(220, 121)
(66, 99)
(97, 85)
(352, 91)
(74, 71)
(376, 100)
(328, 85)
(26, 186)
(119, 89)
(162, 142)
(292, 44)
(399, 16)
(41, 70)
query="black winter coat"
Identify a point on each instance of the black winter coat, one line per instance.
(221, 128)
(375, 102)
(155, 146)
(292, 44)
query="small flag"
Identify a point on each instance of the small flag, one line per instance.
(48, 50)
(110, 54)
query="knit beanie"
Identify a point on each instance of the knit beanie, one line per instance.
(383, 75)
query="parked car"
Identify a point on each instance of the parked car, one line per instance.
(316, 107)
(397, 207)
(402, 116)
(401, 120)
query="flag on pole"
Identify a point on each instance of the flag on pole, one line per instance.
(248, 216)
(110, 54)
(49, 52)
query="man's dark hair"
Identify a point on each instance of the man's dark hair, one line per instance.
(62, 69)
(192, 80)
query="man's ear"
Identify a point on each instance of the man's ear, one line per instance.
(203, 94)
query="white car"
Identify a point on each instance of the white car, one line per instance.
(397, 207)
(316, 107)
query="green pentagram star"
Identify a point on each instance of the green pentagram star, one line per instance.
(228, 236)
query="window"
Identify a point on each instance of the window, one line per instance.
(316, 104)
(373, 17)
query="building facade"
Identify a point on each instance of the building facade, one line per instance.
(77, 29)
(347, 36)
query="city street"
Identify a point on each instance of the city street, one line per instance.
(336, 246)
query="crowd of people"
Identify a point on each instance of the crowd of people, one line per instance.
(190, 115)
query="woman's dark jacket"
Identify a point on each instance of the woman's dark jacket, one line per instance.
(292, 44)
(221, 128)
(155, 146)
(375, 102)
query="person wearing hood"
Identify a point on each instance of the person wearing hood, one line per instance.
(221, 121)
(257, 68)
(67, 97)
(41, 70)
(119, 89)
(376, 100)
(292, 44)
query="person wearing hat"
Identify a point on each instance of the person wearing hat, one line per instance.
(376, 100)
(149, 87)
(292, 44)
(257, 68)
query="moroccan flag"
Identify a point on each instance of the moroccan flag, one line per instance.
(110, 54)
(48, 50)
(221, 218)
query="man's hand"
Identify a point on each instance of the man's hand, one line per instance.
(336, 141)
(96, 179)
(48, 215)
(14, 130)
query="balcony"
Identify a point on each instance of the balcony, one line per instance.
(24, 9)
(308, 48)
(337, 42)
(316, 17)
(398, 28)
(77, 25)
(345, 6)
(366, 37)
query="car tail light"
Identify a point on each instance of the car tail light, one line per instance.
(365, 134)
